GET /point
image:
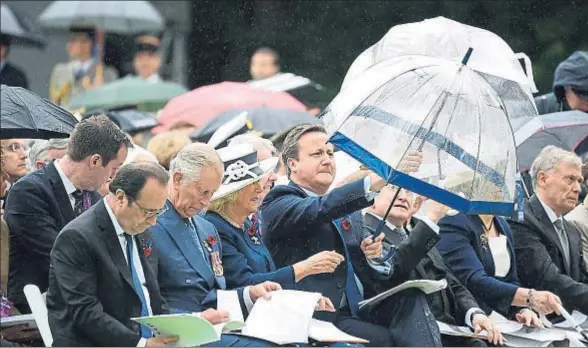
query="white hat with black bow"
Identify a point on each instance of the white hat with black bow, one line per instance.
(241, 168)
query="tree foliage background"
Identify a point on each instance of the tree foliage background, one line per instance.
(319, 39)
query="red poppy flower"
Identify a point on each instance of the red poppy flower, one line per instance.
(251, 230)
(147, 251)
(346, 224)
(211, 240)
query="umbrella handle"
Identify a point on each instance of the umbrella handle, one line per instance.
(389, 253)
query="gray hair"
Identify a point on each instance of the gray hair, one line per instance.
(41, 148)
(549, 158)
(192, 158)
(258, 143)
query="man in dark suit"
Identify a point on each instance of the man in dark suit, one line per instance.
(10, 75)
(302, 219)
(548, 248)
(190, 269)
(415, 257)
(99, 278)
(41, 203)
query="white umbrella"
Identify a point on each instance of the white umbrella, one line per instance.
(14, 27)
(443, 38)
(124, 17)
(442, 108)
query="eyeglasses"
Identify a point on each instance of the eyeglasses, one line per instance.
(16, 147)
(148, 213)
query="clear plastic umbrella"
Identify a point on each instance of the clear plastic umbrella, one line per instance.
(444, 38)
(442, 108)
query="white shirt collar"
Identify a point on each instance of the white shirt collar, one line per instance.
(153, 78)
(85, 66)
(308, 192)
(550, 213)
(69, 186)
(119, 230)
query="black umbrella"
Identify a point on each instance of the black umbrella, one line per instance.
(25, 115)
(266, 121)
(129, 119)
(17, 29)
(567, 130)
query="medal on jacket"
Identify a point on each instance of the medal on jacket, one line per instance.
(215, 259)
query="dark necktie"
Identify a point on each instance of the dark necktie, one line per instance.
(563, 238)
(79, 73)
(352, 292)
(82, 201)
(145, 332)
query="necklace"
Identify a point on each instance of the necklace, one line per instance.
(488, 228)
(229, 220)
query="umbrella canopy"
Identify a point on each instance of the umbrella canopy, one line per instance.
(204, 103)
(26, 115)
(567, 130)
(307, 91)
(443, 38)
(441, 108)
(129, 119)
(15, 27)
(267, 121)
(128, 91)
(124, 17)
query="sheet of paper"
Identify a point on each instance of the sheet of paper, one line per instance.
(511, 329)
(577, 316)
(427, 286)
(18, 320)
(285, 318)
(454, 330)
(323, 331)
(229, 301)
(190, 329)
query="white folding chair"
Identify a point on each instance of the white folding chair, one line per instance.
(39, 309)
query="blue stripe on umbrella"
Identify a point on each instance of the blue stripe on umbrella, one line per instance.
(433, 138)
(415, 185)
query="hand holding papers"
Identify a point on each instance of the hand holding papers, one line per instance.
(427, 286)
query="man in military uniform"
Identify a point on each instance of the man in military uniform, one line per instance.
(147, 59)
(82, 72)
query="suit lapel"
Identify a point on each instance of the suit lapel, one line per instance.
(575, 241)
(59, 191)
(259, 249)
(112, 243)
(150, 279)
(548, 227)
(203, 236)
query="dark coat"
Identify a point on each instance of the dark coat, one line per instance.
(37, 208)
(13, 76)
(450, 305)
(472, 263)
(245, 262)
(540, 259)
(91, 297)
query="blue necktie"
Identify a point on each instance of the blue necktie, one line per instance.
(196, 239)
(351, 290)
(145, 332)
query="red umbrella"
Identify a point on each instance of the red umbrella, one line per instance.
(202, 104)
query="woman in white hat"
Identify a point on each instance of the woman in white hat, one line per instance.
(233, 210)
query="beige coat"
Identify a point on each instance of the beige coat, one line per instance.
(62, 86)
(4, 256)
(579, 218)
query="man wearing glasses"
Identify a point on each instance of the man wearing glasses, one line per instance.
(100, 277)
(570, 86)
(39, 205)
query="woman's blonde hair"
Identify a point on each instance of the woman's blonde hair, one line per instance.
(220, 205)
(165, 146)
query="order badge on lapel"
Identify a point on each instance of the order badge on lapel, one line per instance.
(215, 259)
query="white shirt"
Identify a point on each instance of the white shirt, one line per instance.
(83, 66)
(136, 261)
(67, 184)
(550, 213)
(153, 78)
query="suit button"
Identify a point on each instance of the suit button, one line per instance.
(339, 285)
(188, 281)
(137, 328)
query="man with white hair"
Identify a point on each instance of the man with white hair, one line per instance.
(548, 247)
(44, 151)
(188, 248)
